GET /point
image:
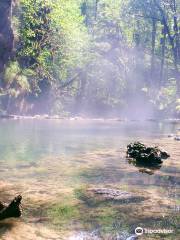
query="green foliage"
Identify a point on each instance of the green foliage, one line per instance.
(34, 31)
(95, 54)
(53, 36)
(16, 80)
(11, 72)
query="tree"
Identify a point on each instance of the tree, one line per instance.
(172, 33)
(6, 33)
(77, 54)
(52, 47)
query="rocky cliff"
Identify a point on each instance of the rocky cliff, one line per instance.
(6, 33)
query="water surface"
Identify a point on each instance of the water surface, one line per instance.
(51, 162)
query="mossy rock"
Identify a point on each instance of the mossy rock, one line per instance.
(98, 196)
(147, 155)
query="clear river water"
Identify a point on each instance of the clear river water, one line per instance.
(53, 163)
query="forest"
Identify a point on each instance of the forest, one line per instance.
(89, 119)
(94, 58)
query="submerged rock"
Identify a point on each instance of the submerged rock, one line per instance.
(177, 138)
(96, 235)
(148, 171)
(170, 135)
(133, 237)
(85, 236)
(113, 194)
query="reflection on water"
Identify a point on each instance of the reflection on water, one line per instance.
(47, 161)
(30, 140)
(147, 168)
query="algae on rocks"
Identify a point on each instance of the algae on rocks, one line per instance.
(147, 155)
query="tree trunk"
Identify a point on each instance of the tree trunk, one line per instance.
(174, 52)
(163, 43)
(81, 92)
(84, 12)
(96, 9)
(153, 47)
(173, 41)
(6, 33)
(176, 48)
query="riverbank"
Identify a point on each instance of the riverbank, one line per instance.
(79, 118)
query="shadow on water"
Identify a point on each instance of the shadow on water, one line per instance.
(148, 168)
(109, 175)
(5, 226)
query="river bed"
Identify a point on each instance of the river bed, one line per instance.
(52, 163)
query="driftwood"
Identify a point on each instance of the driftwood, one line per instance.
(11, 210)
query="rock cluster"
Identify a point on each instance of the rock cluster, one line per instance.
(146, 154)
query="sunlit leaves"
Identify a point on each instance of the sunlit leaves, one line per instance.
(53, 36)
(16, 80)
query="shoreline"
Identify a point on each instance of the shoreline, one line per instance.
(77, 118)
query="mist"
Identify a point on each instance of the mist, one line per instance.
(111, 61)
(89, 119)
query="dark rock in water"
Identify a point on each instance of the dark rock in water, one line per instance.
(22, 166)
(148, 171)
(144, 154)
(146, 158)
(12, 210)
(170, 135)
(177, 138)
(164, 154)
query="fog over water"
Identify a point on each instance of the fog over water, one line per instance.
(49, 162)
(80, 81)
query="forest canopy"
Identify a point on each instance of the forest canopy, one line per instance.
(90, 57)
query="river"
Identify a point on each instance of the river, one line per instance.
(51, 163)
